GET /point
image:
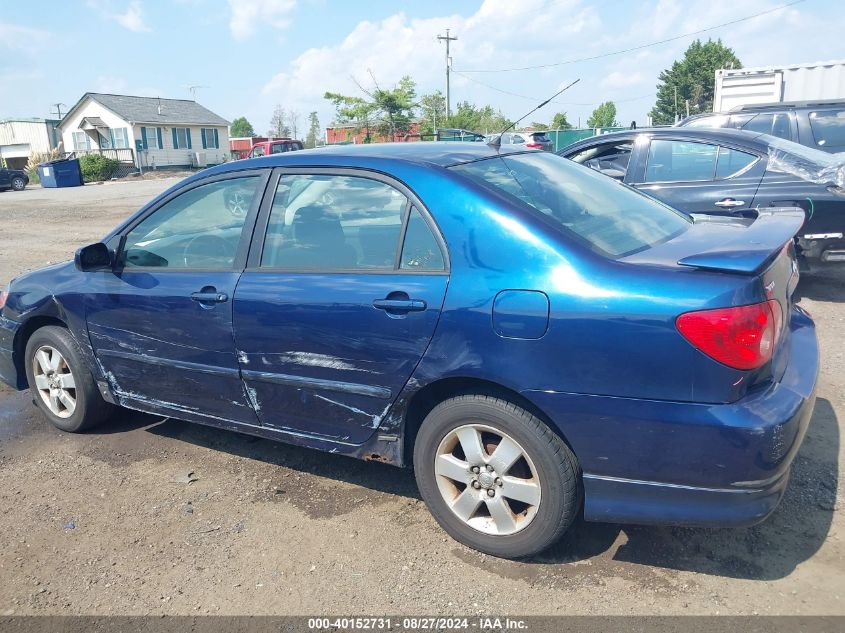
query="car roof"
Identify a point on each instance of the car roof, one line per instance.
(785, 105)
(439, 153)
(714, 135)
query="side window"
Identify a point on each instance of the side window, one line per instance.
(782, 126)
(258, 150)
(760, 123)
(277, 148)
(329, 222)
(200, 229)
(732, 161)
(611, 159)
(420, 250)
(828, 129)
(670, 161)
(517, 139)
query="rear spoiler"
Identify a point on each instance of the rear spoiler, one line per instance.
(753, 248)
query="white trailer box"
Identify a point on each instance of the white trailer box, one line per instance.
(801, 82)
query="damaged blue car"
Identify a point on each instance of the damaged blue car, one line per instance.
(534, 339)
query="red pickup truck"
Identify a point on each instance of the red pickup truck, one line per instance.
(262, 145)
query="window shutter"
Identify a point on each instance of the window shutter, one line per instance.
(144, 138)
(188, 136)
(158, 137)
(216, 139)
(204, 142)
(175, 138)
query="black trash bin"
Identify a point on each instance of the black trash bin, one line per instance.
(60, 173)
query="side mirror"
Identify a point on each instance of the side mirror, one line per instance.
(93, 257)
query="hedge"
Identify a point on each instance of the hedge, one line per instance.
(97, 167)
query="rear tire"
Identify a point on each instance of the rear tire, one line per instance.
(495, 477)
(18, 183)
(60, 382)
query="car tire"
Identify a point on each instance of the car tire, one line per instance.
(18, 183)
(61, 384)
(515, 505)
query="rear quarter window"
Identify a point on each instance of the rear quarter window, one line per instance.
(608, 217)
(828, 128)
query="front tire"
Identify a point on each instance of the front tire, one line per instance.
(495, 477)
(18, 183)
(60, 382)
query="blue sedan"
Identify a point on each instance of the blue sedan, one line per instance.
(533, 338)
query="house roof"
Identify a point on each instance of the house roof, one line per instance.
(146, 109)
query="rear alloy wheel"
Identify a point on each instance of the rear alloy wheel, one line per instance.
(18, 183)
(61, 384)
(495, 476)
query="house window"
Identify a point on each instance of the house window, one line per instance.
(181, 138)
(151, 138)
(121, 138)
(81, 140)
(210, 138)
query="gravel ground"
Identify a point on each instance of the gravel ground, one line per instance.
(101, 523)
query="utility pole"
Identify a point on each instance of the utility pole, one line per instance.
(447, 38)
(58, 107)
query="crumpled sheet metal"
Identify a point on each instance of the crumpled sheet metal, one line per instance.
(823, 169)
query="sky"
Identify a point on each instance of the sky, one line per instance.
(244, 57)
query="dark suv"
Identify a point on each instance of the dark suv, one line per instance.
(817, 124)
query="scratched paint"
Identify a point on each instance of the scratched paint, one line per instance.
(376, 418)
(310, 359)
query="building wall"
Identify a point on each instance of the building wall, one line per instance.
(154, 158)
(19, 139)
(151, 158)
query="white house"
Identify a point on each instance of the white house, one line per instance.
(19, 138)
(148, 131)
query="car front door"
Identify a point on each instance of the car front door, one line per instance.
(697, 177)
(344, 286)
(5, 178)
(160, 323)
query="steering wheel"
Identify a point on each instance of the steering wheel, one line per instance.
(205, 249)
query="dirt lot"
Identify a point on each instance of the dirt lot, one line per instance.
(99, 524)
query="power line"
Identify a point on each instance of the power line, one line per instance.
(527, 98)
(634, 48)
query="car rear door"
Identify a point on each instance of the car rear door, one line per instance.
(160, 323)
(697, 176)
(344, 286)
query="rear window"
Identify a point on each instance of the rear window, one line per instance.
(609, 217)
(828, 128)
(540, 137)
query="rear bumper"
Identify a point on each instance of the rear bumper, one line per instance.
(659, 462)
(8, 369)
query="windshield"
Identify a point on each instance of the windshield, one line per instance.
(609, 217)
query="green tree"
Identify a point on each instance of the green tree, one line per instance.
(559, 122)
(241, 127)
(603, 116)
(432, 112)
(693, 77)
(539, 126)
(313, 130)
(482, 119)
(388, 111)
(278, 123)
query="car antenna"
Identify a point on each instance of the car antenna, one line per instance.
(496, 141)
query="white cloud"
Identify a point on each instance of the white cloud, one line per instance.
(108, 84)
(247, 15)
(22, 38)
(617, 79)
(132, 18)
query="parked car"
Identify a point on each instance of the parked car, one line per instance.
(731, 173)
(530, 336)
(528, 140)
(816, 124)
(14, 179)
(277, 146)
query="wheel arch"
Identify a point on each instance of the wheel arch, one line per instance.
(426, 398)
(27, 329)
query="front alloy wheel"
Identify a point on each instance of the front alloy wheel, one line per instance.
(18, 183)
(54, 381)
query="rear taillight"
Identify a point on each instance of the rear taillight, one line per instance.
(743, 337)
(534, 145)
(4, 294)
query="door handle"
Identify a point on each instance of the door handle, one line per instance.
(210, 297)
(400, 305)
(729, 203)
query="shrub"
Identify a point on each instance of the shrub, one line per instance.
(97, 167)
(35, 159)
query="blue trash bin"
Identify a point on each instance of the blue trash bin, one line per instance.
(60, 173)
